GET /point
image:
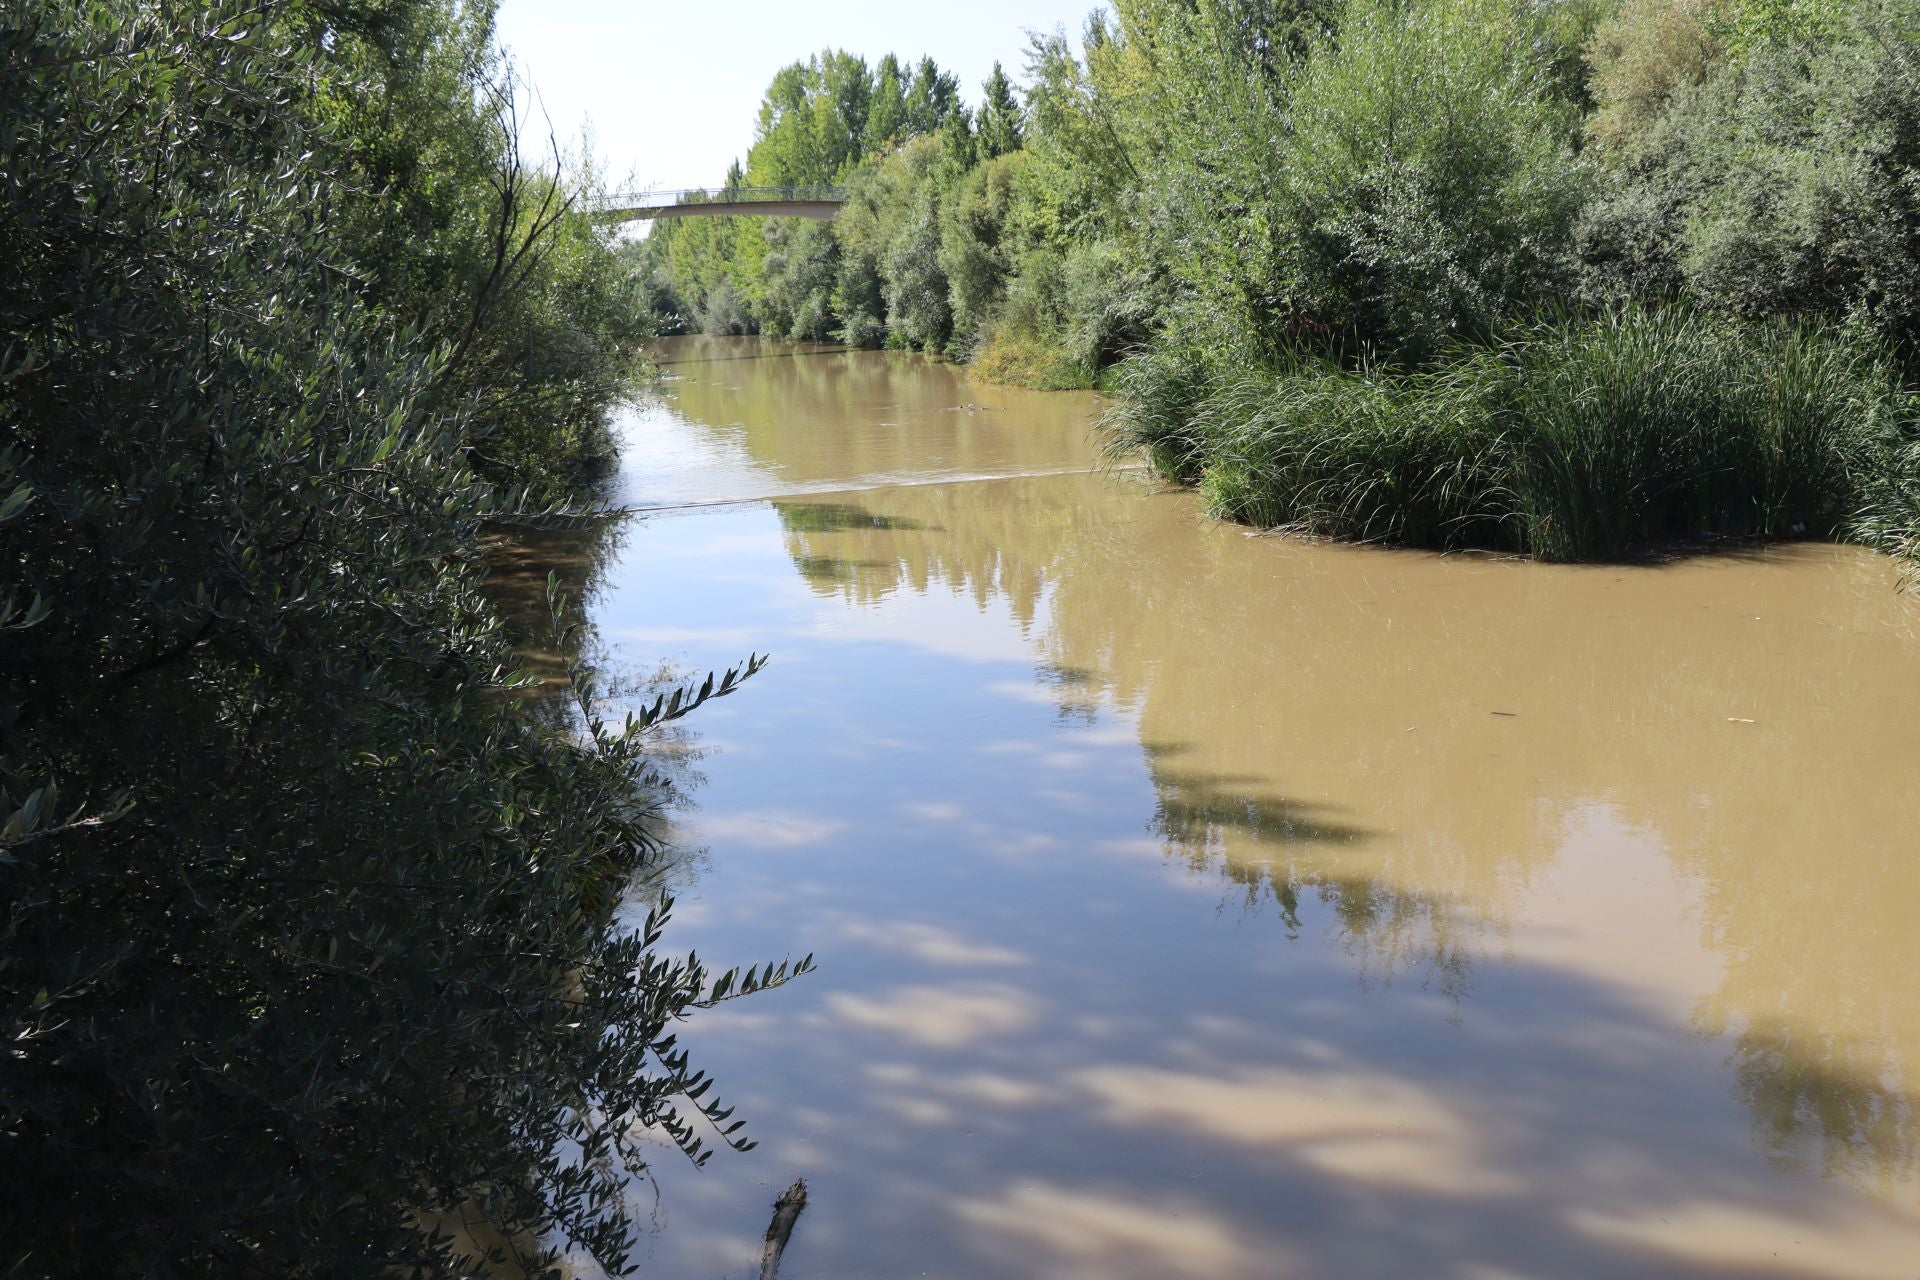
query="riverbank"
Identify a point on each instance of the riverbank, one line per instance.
(1579, 439)
(309, 921)
(1317, 243)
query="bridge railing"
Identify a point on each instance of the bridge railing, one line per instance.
(654, 199)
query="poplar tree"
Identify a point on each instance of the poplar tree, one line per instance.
(1000, 130)
(931, 97)
(887, 118)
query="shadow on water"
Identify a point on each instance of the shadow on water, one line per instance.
(1829, 1107)
(1192, 809)
(834, 569)
(1478, 715)
(1576, 902)
(690, 352)
(834, 517)
(1294, 1143)
(525, 568)
(520, 562)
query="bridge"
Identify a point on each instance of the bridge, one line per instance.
(820, 203)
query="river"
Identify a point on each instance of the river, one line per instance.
(1192, 903)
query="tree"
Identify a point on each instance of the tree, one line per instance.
(959, 148)
(1783, 180)
(931, 97)
(1000, 125)
(887, 118)
(305, 934)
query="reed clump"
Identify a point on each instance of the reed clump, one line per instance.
(1575, 438)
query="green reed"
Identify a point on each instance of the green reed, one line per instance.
(1575, 439)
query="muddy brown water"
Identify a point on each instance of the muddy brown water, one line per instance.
(1189, 903)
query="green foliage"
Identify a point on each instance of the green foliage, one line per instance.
(972, 241)
(820, 122)
(1000, 117)
(1889, 515)
(887, 115)
(1015, 359)
(798, 276)
(1360, 196)
(914, 286)
(931, 97)
(1078, 128)
(306, 932)
(813, 122)
(1644, 53)
(1570, 440)
(1788, 182)
(1641, 426)
(880, 200)
(1429, 187)
(469, 241)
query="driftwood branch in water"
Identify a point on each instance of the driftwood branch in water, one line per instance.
(786, 1212)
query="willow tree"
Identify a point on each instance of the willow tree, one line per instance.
(305, 932)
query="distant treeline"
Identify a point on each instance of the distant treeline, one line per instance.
(1339, 248)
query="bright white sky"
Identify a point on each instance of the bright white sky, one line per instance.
(671, 87)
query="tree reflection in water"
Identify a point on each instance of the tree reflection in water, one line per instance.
(1318, 725)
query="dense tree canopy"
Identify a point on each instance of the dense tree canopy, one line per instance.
(304, 931)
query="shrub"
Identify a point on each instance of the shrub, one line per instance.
(1644, 53)
(307, 929)
(918, 312)
(1570, 440)
(880, 198)
(797, 287)
(1424, 183)
(1011, 358)
(725, 311)
(1362, 454)
(1646, 425)
(1161, 396)
(973, 254)
(1787, 183)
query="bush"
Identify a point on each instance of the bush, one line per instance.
(1572, 440)
(307, 931)
(915, 288)
(973, 254)
(1011, 358)
(1648, 425)
(880, 198)
(1644, 53)
(1787, 183)
(1162, 402)
(797, 288)
(725, 311)
(1425, 183)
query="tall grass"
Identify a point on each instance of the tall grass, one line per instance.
(1576, 439)
(1890, 516)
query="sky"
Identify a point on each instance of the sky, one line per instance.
(671, 88)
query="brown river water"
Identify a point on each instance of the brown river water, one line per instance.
(1191, 903)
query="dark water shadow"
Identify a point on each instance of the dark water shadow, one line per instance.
(1192, 808)
(837, 569)
(835, 517)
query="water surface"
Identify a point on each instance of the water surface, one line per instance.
(1189, 903)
